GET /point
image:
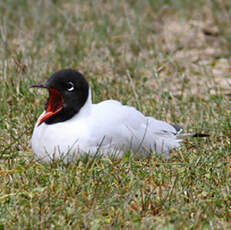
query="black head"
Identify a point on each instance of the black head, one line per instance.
(68, 92)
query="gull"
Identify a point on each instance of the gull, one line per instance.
(71, 125)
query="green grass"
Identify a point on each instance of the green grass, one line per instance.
(171, 60)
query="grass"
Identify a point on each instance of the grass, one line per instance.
(171, 60)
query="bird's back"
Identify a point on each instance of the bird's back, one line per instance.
(126, 127)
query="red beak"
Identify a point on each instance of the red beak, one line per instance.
(55, 102)
(41, 85)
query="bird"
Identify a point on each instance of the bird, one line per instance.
(72, 126)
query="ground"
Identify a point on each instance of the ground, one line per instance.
(169, 59)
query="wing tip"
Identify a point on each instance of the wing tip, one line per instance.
(177, 128)
(200, 135)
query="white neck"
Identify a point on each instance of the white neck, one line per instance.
(86, 109)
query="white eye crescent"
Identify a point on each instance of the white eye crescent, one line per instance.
(70, 86)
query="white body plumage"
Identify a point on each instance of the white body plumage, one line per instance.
(107, 128)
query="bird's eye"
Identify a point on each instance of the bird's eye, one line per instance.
(70, 86)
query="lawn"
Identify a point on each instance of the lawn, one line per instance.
(169, 59)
